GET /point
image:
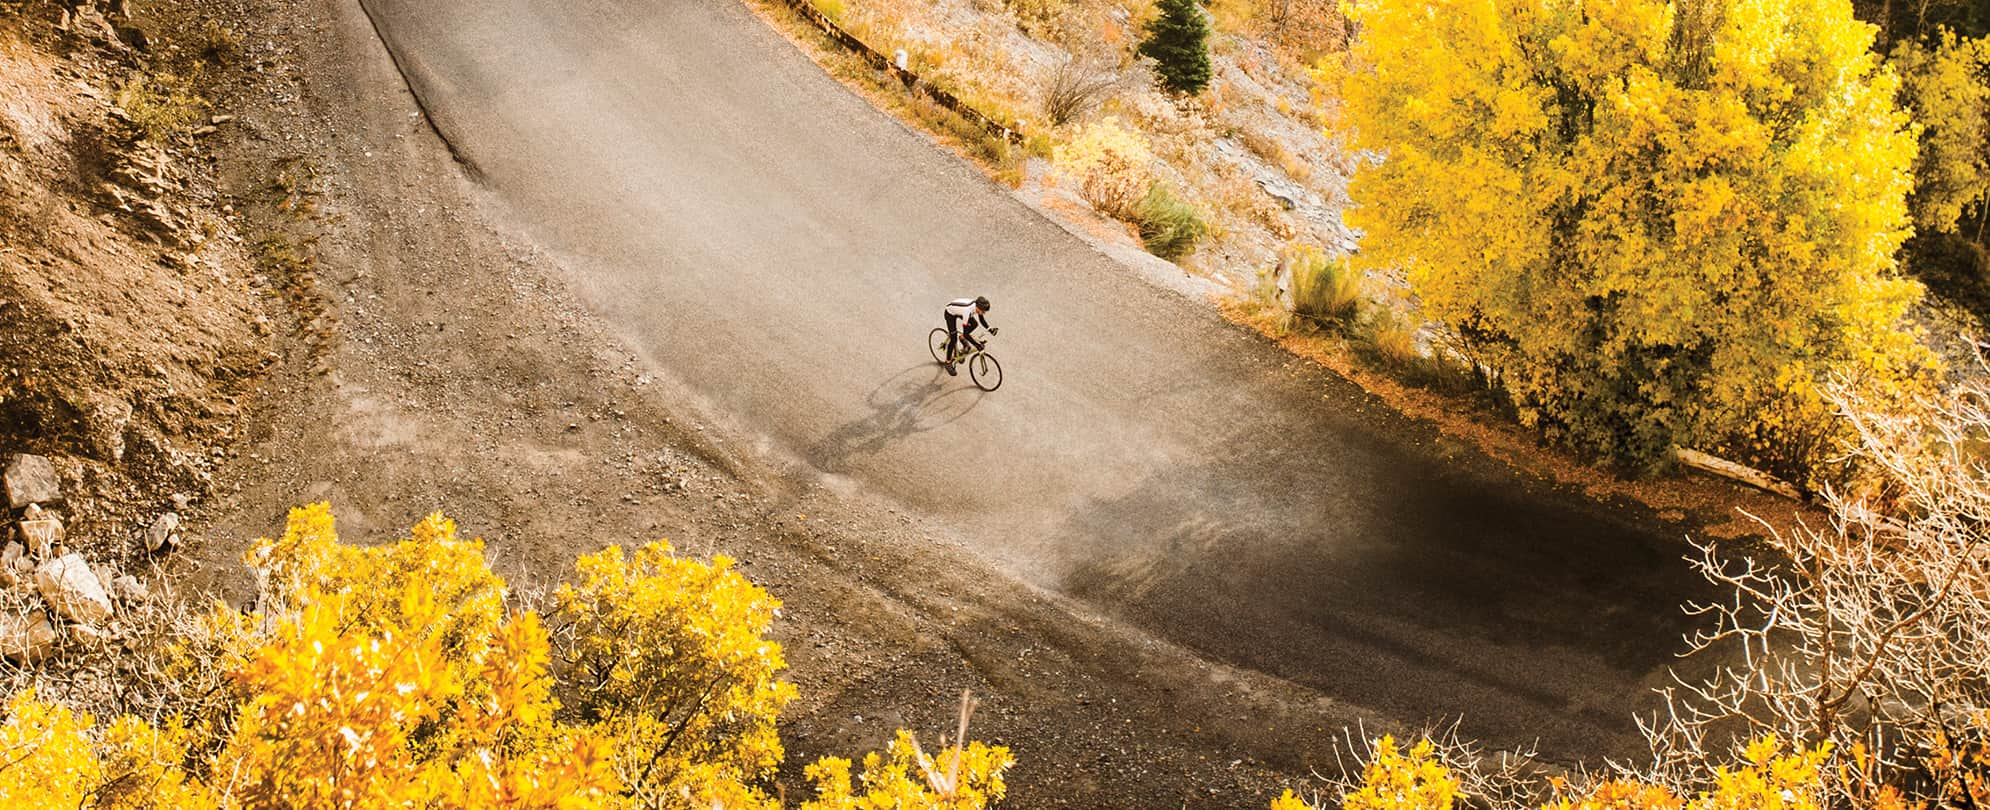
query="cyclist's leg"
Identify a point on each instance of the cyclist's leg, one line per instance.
(967, 334)
(953, 335)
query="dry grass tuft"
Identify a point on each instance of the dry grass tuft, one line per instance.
(162, 105)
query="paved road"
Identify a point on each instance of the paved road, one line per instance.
(767, 236)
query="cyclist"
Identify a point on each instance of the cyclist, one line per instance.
(962, 317)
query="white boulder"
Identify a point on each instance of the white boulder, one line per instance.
(73, 590)
(26, 638)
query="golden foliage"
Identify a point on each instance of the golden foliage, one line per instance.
(394, 676)
(1663, 226)
(957, 779)
(1111, 165)
(669, 660)
(52, 763)
(1948, 88)
(391, 675)
(1403, 780)
(1767, 777)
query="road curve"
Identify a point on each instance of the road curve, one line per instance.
(782, 247)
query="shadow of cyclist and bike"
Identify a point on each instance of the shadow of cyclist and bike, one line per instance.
(910, 402)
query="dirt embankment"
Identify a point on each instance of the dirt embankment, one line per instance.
(132, 319)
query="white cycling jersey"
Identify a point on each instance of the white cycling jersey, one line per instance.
(964, 314)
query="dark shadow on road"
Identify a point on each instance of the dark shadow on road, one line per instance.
(1550, 622)
(910, 402)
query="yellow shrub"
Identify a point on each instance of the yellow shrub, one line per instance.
(1404, 780)
(392, 676)
(1289, 801)
(956, 779)
(310, 559)
(53, 764)
(1767, 778)
(1110, 163)
(669, 659)
(389, 675)
(1947, 85)
(140, 768)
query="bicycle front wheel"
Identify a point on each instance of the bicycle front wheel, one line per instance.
(986, 373)
(937, 341)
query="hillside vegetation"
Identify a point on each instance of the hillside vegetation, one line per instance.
(1229, 169)
(405, 675)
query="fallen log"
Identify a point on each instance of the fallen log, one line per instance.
(1736, 472)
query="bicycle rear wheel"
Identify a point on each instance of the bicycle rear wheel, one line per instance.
(986, 373)
(937, 341)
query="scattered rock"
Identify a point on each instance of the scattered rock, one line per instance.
(104, 426)
(72, 589)
(8, 556)
(26, 638)
(30, 479)
(133, 36)
(42, 536)
(129, 589)
(88, 634)
(160, 533)
(180, 501)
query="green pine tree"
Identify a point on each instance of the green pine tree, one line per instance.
(1178, 42)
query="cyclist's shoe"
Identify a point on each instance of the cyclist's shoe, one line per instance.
(951, 371)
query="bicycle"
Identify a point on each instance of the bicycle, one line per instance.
(982, 367)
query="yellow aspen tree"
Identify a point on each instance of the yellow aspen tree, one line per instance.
(1661, 223)
(1947, 85)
